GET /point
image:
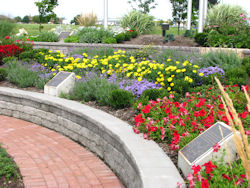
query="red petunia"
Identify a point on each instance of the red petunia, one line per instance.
(7, 37)
(216, 147)
(196, 169)
(146, 109)
(154, 129)
(204, 183)
(226, 176)
(209, 167)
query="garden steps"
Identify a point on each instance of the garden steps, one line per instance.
(47, 159)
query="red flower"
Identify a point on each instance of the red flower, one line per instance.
(226, 176)
(204, 183)
(154, 129)
(167, 110)
(146, 109)
(209, 167)
(221, 106)
(136, 131)
(216, 147)
(243, 176)
(196, 169)
(7, 37)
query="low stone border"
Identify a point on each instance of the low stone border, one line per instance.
(137, 162)
(67, 48)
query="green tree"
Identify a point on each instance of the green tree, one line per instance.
(45, 9)
(18, 19)
(75, 19)
(143, 5)
(26, 19)
(179, 11)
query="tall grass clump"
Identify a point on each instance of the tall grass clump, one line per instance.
(138, 20)
(88, 19)
(6, 28)
(47, 36)
(241, 139)
(224, 14)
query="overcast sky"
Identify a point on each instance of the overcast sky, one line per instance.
(70, 8)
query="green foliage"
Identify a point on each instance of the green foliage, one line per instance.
(8, 168)
(134, 34)
(9, 59)
(128, 36)
(6, 28)
(20, 75)
(93, 35)
(168, 38)
(120, 37)
(152, 94)
(246, 63)
(93, 89)
(224, 60)
(237, 76)
(201, 38)
(18, 19)
(139, 21)
(72, 38)
(189, 33)
(26, 19)
(109, 40)
(120, 98)
(47, 37)
(3, 74)
(143, 6)
(27, 55)
(74, 20)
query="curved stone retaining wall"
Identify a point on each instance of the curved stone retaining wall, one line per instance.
(137, 162)
(67, 48)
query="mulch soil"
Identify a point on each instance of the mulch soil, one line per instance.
(158, 40)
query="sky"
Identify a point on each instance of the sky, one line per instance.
(117, 8)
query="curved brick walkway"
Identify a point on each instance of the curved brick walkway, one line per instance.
(48, 159)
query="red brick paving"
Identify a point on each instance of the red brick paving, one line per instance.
(48, 159)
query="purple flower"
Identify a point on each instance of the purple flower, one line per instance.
(212, 70)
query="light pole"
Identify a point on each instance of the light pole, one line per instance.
(105, 16)
(189, 14)
(205, 11)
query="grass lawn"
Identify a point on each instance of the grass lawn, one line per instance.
(33, 29)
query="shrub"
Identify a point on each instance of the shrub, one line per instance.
(201, 38)
(6, 28)
(72, 38)
(9, 59)
(128, 36)
(134, 33)
(28, 55)
(120, 98)
(21, 75)
(152, 94)
(169, 38)
(109, 40)
(120, 37)
(139, 21)
(88, 19)
(189, 33)
(3, 74)
(47, 37)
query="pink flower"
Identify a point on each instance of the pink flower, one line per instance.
(145, 136)
(179, 185)
(139, 105)
(190, 177)
(17, 40)
(136, 131)
(242, 15)
(216, 147)
(244, 19)
(171, 96)
(187, 94)
(7, 37)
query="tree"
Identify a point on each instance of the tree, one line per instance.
(26, 19)
(195, 3)
(74, 21)
(179, 11)
(18, 19)
(143, 5)
(45, 9)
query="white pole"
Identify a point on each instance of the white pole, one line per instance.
(189, 14)
(201, 10)
(205, 12)
(105, 17)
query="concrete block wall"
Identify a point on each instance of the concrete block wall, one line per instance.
(137, 162)
(67, 48)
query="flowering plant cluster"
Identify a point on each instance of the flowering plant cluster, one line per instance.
(165, 74)
(9, 50)
(180, 122)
